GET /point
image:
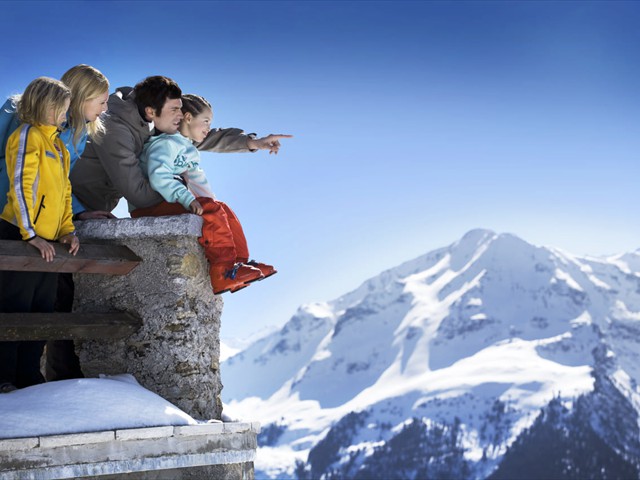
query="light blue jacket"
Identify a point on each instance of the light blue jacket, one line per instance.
(9, 122)
(166, 157)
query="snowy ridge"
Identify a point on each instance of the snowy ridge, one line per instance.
(477, 337)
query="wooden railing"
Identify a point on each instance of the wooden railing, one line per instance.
(17, 255)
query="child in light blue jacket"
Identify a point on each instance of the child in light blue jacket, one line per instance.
(172, 164)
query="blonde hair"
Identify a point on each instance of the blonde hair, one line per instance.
(42, 94)
(86, 83)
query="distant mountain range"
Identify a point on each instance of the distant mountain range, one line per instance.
(489, 358)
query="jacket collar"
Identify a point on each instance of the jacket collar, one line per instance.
(49, 130)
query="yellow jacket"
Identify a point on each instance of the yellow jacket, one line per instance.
(39, 199)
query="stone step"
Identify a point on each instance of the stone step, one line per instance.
(175, 450)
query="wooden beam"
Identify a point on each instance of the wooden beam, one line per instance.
(107, 259)
(64, 326)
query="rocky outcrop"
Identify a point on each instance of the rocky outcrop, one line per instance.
(176, 351)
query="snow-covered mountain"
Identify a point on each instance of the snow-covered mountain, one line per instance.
(450, 366)
(230, 346)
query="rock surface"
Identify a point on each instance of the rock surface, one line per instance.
(176, 352)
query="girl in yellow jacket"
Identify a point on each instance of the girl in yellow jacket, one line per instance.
(38, 211)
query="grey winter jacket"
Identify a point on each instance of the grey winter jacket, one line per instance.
(109, 169)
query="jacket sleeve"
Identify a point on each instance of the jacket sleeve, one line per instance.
(160, 156)
(66, 225)
(23, 161)
(8, 124)
(225, 140)
(76, 149)
(76, 205)
(117, 154)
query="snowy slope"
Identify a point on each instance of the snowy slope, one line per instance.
(481, 334)
(231, 346)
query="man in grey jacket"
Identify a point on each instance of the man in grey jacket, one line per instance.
(109, 169)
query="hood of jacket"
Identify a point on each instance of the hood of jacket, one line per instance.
(123, 109)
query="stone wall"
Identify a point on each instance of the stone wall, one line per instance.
(208, 451)
(176, 352)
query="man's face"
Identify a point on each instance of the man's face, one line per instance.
(169, 119)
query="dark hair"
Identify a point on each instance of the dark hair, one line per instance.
(194, 104)
(154, 91)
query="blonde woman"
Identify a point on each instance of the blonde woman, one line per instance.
(89, 95)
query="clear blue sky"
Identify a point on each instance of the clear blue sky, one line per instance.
(414, 122)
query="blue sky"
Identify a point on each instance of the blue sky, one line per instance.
(414, 122)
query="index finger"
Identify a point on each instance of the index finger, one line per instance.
(280, 135)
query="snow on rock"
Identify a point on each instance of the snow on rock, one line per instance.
(85, 405)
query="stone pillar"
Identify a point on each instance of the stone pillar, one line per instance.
(176, 352)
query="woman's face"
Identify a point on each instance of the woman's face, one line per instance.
(94, 107)
(197, 128)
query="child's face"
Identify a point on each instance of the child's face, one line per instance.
(94, 107)
(196, 128)
(61, 118)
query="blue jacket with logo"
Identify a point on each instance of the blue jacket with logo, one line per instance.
(166, 157)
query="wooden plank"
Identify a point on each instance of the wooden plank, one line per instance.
(106, 259)
(62, 326)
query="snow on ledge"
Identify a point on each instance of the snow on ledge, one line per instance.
(115, 403)
(111, 425)
(85, 405)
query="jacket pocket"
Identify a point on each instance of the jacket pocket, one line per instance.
(39, 210)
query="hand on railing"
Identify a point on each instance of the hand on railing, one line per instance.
(71, 240)
(46, 249)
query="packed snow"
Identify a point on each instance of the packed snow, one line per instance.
(85, 405)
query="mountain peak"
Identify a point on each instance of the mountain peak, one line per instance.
(477, 235)
(481, 334)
